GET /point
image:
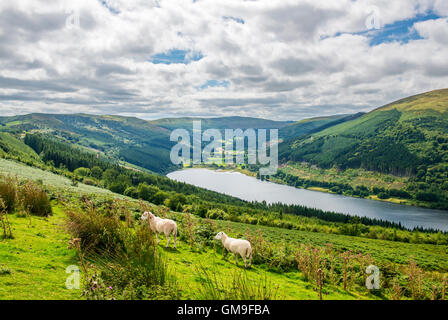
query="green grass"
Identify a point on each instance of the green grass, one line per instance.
(32, 265)
(10, 145)
(430, 257)
(184, 262)
(120, 137)
(36, 260)
(50, 180)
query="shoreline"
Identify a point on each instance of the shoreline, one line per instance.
(248, 173)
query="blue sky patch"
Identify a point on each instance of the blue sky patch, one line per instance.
(176, 56)
(112, 10)
(400, 31)
(215, 83)
(237, 20)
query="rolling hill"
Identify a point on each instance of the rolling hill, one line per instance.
(145, 144)
(221, 123)
(11, 146)
(395, 138)
(129, 139)
(408, 137)
(313, 125)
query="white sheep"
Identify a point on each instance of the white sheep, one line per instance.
(159, 225)
(236, 246)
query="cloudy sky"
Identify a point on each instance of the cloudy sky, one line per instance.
(277, 59)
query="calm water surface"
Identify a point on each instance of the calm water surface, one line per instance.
(251, 189)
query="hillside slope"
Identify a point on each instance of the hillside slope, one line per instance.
(142, 143)
(13, 147)
(43, 242)
(309, 126)
(130, 139)
(408, 137)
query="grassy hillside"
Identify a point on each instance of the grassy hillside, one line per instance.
(11, 146)
(396, 138)
(33, 262)
(405, 138)
(143, 143)
(130, 139)
(308, 126)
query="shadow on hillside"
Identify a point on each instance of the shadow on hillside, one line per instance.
(170, 249)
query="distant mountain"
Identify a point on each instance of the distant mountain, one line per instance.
(407, 137)
(221, 123)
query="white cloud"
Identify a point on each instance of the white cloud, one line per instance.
(283, 59)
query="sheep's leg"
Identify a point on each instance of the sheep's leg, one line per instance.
(245, 261)
(250, 260)
(157, 236)
(175, 241)
(168, 238)
(236, 259)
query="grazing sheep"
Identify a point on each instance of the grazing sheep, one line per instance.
(237, 246)
(159, 225)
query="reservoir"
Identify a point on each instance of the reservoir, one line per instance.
(251, 189)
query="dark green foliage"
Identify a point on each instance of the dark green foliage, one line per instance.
(62, 154)
(12, 147)
(117, 178)
(313, 125)
(427, 196)
(8, 193)
(137, 141)
(99, 232)
(176, 201)
(406, 138)
(147, 192)
(160, 197)
(131, 192)
(34, 199)
(96, 172)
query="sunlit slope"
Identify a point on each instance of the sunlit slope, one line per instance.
(397, 138)
(130, 139)
(11, 146)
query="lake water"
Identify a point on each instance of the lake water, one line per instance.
(252, 189)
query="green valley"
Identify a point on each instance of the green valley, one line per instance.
(65, 177)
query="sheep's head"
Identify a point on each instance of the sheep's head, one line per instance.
(219, 236)
(147, 216)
